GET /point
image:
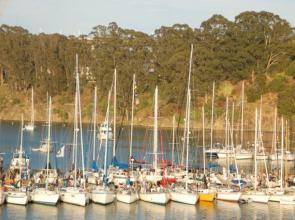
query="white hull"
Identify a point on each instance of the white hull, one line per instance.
(44, 197)
(279, 198)
(261, 157)
(127, 197)
(260, 198)
(29, 127)
(229, 196)
(155, 197)
(184, 197)
(2, 197)
(74, 197)
(243, 156)
(18, 198)
(102, 197)
(282, 202)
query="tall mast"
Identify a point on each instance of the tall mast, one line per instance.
(282, 151)
(32, 108)
(48, 140)
(187, 134)
(212, 118)
(242, 115)
(106, 141)
(203, 128)
(81, 127)
(156, 129)
(115, 111)
(21, 148)
(94, 123)
(76, 129)
(132, 117)
(173, 139)
(188, 87)
(226, 135)
(255, 150)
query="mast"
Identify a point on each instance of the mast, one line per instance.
(156, 129)
(212, 118)
(132, 117)
(115, 111)
(188, 87)
(106, 141)
(242, 115)
(187, 134)
(21, 149)
(255, 150)
(48, 141)
(226, 137)
(32, 108)
(173, 139)
(81, 127)
(282, 151)
(203, 128)
(94, 124)
(76, 129)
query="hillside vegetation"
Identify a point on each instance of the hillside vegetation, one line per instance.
(257, 47)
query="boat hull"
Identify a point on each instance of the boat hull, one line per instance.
(127, 198)
(102, 197)
(229, 196)
(45, 197)
(208, 197)
(157, 198)
(75, 198)
(17, 198)
(184, 197)
(279, 198)
(2, 197)
(260, 198)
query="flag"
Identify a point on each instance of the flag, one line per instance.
(61, 152)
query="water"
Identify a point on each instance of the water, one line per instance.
(10, 138)
(142, 210)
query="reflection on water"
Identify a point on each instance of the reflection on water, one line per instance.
(143, 210)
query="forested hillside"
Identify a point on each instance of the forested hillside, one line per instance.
(257, 47)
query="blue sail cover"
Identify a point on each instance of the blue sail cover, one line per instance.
(117, 163)
(212, 165)
(94, 166)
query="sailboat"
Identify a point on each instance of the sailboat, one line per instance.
(227, 194)
(44, 195)
(74, 194)
(184, 195)
(278, 195)
(255, 196)
(205, 194)
(158, 196)
(128, 194)
(19, 196)
(102, 194)
(31, 126)
(241, 152)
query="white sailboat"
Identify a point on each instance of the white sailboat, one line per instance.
(2, 196)
(21, 195)
(242, 153)
(31, 126)
(155, 196)
(184, 195)
(102, 194)
(44, 195)
(76, 195)
(255, 196)
(228, 194)
(127, 194)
